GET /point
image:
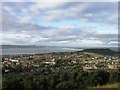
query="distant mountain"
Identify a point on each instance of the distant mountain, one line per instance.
(22, 46)
(17, 46)
(101, 51)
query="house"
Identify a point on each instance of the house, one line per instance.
(51, 63)
(12, 60)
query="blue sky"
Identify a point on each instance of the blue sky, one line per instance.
(88, 24)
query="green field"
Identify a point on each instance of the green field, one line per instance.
(114, 85)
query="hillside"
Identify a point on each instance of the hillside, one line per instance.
(101, 51)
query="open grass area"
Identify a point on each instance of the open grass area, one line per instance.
(114, 85)
(93, 54)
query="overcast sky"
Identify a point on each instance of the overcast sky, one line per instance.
(60, 23)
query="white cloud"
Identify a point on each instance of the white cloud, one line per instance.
(15, 39)
(12, 0)
(70, 11)
(107, 32)
(63, 42)
(45, 5)
(89, 15)
(89, 31)
(39, 39)
(60, 1)
(9, 10)
(113, 42)
(68, 27)
(53, 14)
(91, 42)
(13, 36)
(24, 19)
(113, 17)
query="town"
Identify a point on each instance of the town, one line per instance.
(61, 70)
(61, 61)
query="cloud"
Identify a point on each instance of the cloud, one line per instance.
(51, 11)
(72, 24)
(114, 42)
(78, 11)
(60, 1)
(9, 10)
(63, 10)
(15, 39)
(39, 39)
(10, 25)
(45, 5)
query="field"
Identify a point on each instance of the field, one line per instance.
(114, 85)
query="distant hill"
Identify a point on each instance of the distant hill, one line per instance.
(101, 51)
(23, 46)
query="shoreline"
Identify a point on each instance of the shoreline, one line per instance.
(27, 51)
(91, 50)
(4, 55)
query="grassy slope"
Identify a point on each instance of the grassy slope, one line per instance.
(93, 54)
(115, 85)
(101, 51)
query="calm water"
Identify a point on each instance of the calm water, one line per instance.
(38, 50)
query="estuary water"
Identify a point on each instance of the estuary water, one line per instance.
(36, 50)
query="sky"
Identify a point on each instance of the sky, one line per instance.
(77, 24)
